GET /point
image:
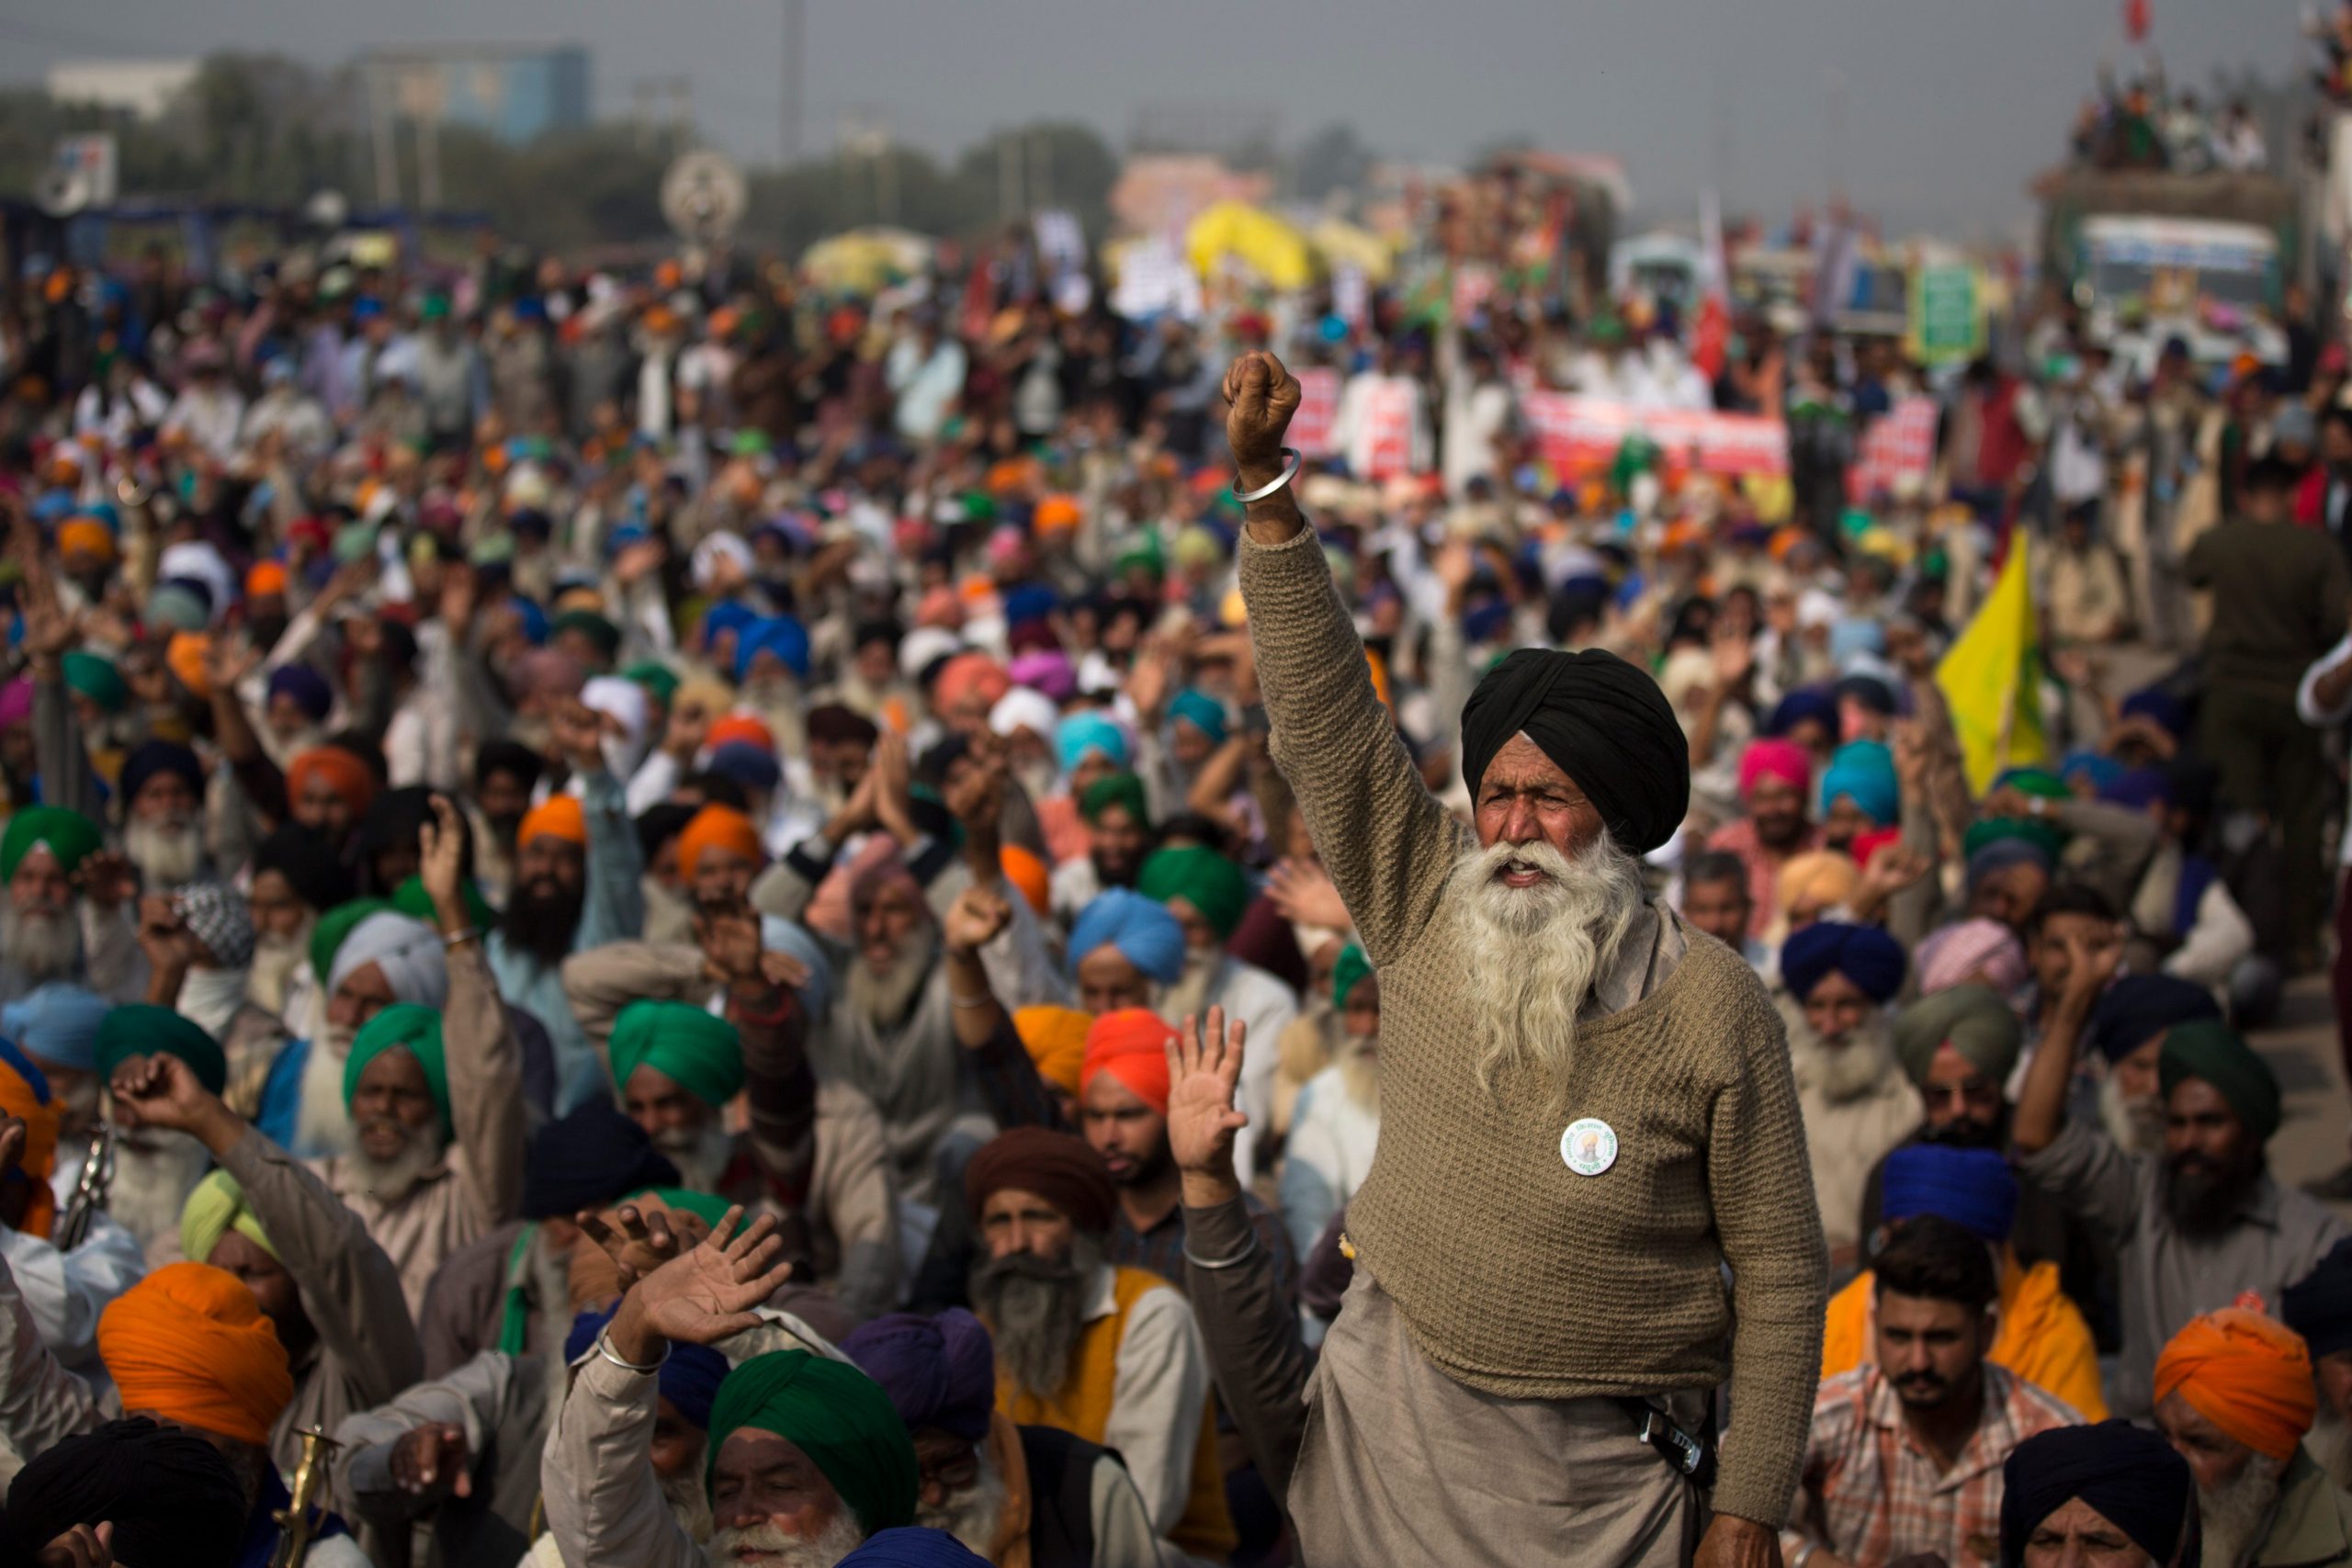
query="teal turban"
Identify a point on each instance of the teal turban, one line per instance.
(407, 1027)
(141, 1029)
(835, 1414)
(97, 679)
(1200, 710)
(700, 1050)
(1351, 967)
(2208, 1049)
(411, 899)
(69, 836)
(1203, 878)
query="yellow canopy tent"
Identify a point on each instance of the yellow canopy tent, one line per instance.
(1344, 244)
(1256, 239)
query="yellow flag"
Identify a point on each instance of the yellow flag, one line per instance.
(1992, 678)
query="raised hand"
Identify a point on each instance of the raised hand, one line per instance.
(973, 921)
(161, 1091)
(83, 1546)
(644, 1239)
(424, 1457)
(106, 879)
(1303, 893)
(707, 1293)
(443, 844)
(1203, 1066)
(1261, 395)
(730, 946)
(977, 798)
(579, 733)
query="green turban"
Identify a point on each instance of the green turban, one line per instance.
(411, 899)
(411, 1028)
(2043, 836)
(1116, 789)
(700, 1050)
(2038, 782)
(335, 926)
(1203, 878)
(1973, 1018)
(655, 677)
(216, 1207)
(602, 635)
(835, 1414)
(1351, 967)
(69, 836)
(2208, 1049)
(97, 679)
(141, 1028)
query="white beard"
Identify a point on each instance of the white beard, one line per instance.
(323, 1120)
(45, 945)
(1536, 954)
(2329, 1443)
(882, 998)
(169, 855)
(276, 958)
(972, 1514)
(701, 1153)
(1194, 988)
(840, 1538)
(391, 1181)
(1845, 1071)
(1358, 1064)
(2234, 1516)
(689, 1503)
(2137, 1127)
(213, 997)
(150, 1186)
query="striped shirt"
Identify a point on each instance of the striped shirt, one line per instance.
(1873, 1494)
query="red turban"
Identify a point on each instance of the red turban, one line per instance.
(2248, 1374)
(718, 828)
(559, 816)
(1132, 1047)
(345, 773)
(1774, 759)
(739, 729)
(1057, 1166)
(189, 1344)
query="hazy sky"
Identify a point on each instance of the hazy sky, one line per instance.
(1948, 105)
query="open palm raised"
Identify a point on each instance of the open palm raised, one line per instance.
(707, 1292)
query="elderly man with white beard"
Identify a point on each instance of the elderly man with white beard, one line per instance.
(1335, 1129)
(382, 958)
(297, 878)
(1858, 1102)
(198, 940)
(67, 912)
(2235, 1396)
(2319, 1307)
(154, 1167)
(161, 789)
(1586, 1113)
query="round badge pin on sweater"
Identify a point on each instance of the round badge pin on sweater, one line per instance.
(1589, 1146)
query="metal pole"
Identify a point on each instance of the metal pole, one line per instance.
(382, 132)
(794, 19)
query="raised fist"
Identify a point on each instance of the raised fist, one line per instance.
(1262, 396)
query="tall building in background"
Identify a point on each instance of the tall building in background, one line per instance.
(515, 92)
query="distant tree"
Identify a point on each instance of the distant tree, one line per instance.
(1334, 159)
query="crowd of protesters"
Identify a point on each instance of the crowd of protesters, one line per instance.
(708, 922)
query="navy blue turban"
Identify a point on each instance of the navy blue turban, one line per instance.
(690, 1374)
(939, 1372)
(1804, 703)
(2319, 1306)
(1603, 721)
(1872, 960)
(1972, 1188)
(156, 758)
(2139, 1008)
(2129, 1474)
(909, 1547)
(586, 1160)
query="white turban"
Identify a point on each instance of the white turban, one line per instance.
(1024, 708)
(410, 952)
(703, 565)
(626, 702)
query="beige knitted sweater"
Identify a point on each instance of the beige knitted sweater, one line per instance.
(1515, 1275)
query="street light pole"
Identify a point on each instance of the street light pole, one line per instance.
(794, 20)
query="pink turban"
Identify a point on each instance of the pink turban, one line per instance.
(1773, 758)
(1959, 951)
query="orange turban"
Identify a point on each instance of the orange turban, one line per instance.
(1056, 1041)
(1132, 1047)
(1026, 871)
(741, 729)
(560, 817)
(88, 536)
(266, 577)
(2248, 1374)
(1055, 515)
(718, 828)
(346, 774)
(189, 1344)
(969, 675)
(37, 1110)
(185, 657)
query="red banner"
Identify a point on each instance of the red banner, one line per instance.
(1318, 404)
(1583, 433)
(1387, 415)
(1897, 453)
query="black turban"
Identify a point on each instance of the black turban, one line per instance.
(590, 1159)
(2129, 1474)
(2319, 1306)
(153, 759)
(309, 862)
(2139, 1008)
(171, 1497)
(1603, 721)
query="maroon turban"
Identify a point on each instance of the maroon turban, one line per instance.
(1057, 1166)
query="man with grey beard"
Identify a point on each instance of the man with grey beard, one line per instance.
(1586, 1112)
(162, 820)
(65, 916)
(1107, 1353)
(2127, 1027)
(1858, 1103)
(2319, 1307)
(2235, 1396)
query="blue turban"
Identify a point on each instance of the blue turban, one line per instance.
(2138, 788)
(1865, 955)
(2170, 714)
(748, 765)
(1804, 703)
(2131, 1474)
(2102, 771)
(1854, 634)
(1871, 690)
(534, 619)
(1083, 732)
(1972, 1188)
(1030, 601)
(155, 758)
(727, 616)
(306, 686)
(2140, 1007)
(779, 635)
(909, 1547)
(1143, 931)
(2002, 853)
(1864, 769)
(939, 1372)
(1200, 710)
(57, 1023)
(690, 1373)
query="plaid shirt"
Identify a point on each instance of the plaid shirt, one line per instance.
(1871, 1493)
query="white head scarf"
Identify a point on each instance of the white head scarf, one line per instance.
(415, 964)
